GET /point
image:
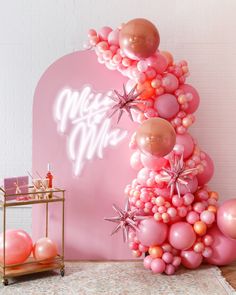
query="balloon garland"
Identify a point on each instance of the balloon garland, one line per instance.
(171, 216)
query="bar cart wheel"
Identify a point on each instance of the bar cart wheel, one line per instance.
(62, 271)
(5, 282)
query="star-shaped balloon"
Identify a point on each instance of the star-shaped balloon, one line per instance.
(126, 219)
(177, 174)
(125, 102)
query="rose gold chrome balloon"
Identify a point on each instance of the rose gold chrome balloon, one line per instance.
(156, 136)
(139, 38)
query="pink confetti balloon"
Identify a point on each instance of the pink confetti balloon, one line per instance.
(154, 163)
(223, 248)
(207, 173)
(186, 141)
(181, 235)
(151, 232)
(191, 259)
(226, 218)
(194, 103)
(18, 246)
(44, 249)
(166, 106)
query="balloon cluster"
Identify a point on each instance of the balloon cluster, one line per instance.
(183, 223)
(19, 246)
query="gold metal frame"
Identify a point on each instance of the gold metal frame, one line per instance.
(31, 265)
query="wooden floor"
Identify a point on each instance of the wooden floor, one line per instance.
(229, 272)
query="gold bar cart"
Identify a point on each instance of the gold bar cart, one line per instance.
(31, 266)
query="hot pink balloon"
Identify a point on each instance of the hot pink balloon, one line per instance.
(207, 173)
(223, 248)
(186, 141)
(191, 259)
(154, 163)
(18, 246)
(190, 187)
(194, 103)
(181, 235)
(152, 232)
(226, 218)
(44, 248)
(166, 106)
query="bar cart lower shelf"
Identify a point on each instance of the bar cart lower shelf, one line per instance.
(31, 265)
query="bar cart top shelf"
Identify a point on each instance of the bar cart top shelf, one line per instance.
(38, 197)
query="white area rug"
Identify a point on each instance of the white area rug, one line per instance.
(123, 278)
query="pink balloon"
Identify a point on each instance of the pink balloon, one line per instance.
(18, 246)
(152, 232)
(143, 175)
(186, 141)
(147, 262)
(191, 259)
(170, 83)
(194, 103)
(154, 163)
(181, 235)
(166, 106)
(207, 173)
(113, 38)
(104, 32)
(44, 248)
(226, 218)
(190, 187)
(135, 161)
(158, 62)
(223, 248)
(158, 265)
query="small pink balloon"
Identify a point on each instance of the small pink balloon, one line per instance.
(181, 235)
(170, 83)
(190, 187)
(226, 218)
(44, 249)
(158, 265)
(18, 246)
(170, 269)
(186, 141)
(154, 163)
(207, 173)
(223, 248)
(194, 103)
(152, 232)
(191, 259)
(158, 62)
(135, 161)
(104, 32)
(147, 262)
(113, 37)
(166, 106)
(207, 216)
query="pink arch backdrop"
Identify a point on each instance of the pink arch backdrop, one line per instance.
(69, 108)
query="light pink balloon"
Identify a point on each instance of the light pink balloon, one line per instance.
(186, 141)
(158, 265)
(194, 103)
(143, 175)
(190, 187)
(135, 161)
(207, 173)
(44, 248)
(170, 83)
(223, 248)
(226, 218)
(166, 106)
(113, 37)
(147, 262)
(191, 259)
(158, 62)
(18, 246)
(152, 232)
(152, 162)
(181, 235)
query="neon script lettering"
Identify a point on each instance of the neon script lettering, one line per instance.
(83, 116)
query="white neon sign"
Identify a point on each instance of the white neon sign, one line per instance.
(83, 116)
